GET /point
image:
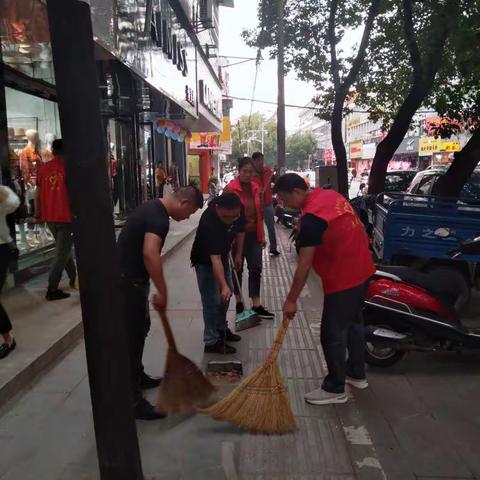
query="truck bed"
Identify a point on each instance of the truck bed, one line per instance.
(405, 224)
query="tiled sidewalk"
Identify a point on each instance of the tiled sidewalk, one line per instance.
(326, 447)
(320, 449)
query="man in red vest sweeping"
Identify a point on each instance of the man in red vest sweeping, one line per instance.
(333, 241)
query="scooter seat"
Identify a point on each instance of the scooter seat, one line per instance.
(440, 285)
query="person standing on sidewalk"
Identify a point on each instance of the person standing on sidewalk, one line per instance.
(333, 241)
(9, 202)
(140, 253)
(221, 224)
(54, 209)
(249, 194)
(263, 178)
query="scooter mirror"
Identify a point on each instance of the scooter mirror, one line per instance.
(442, 232)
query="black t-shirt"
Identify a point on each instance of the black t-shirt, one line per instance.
(214, 237)
(312, 229)
(151, 217)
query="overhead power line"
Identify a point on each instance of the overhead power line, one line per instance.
(239, 63)
(237, 58)
(302, 107)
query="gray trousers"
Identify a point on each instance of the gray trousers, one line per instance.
(270, 223)
(63, 234)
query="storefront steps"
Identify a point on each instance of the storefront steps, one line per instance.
(46, 331)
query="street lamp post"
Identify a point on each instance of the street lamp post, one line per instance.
(281, 135)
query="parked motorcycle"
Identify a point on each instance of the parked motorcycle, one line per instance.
(409, 310)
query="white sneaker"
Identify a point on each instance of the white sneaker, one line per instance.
(322, 397)
(355, 382)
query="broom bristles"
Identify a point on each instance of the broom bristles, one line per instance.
(184, 386)
(259, 404)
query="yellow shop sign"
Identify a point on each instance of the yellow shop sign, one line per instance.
(451, 146)
(429, 145)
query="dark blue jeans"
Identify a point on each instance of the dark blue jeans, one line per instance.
(214, 310)
(342, 329)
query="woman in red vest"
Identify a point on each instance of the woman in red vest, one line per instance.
(333, 241)
(249, 194)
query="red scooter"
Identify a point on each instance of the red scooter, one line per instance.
(408, 310)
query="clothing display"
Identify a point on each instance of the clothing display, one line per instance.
(30, 161)
(114, 178)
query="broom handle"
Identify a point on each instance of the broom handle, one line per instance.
(168, 331)
(277, 344)
(235, 276)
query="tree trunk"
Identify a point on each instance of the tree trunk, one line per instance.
(462, 167)
(339, 145)
(392, 141)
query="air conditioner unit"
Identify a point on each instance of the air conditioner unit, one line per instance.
(206, 13)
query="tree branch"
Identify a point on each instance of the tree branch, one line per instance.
(435, 55)
(362, 49)
(332, 40)
(412, 44)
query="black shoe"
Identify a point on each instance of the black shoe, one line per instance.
(240, 307)
(274, 253)
(6, 349)
(220, 347)
(263, 313)
(147, 382)
(146, 411)
(229, 336)
(57, 294)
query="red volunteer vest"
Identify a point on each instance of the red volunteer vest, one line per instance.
(236, 187)
(343, 260)
(264, 181)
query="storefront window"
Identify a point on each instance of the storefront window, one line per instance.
(25, 38)
(122, 167)
(146, 166)
(33, 124)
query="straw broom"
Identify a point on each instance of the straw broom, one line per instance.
(260, 403)
(184, 386)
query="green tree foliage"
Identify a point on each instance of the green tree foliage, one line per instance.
(413, 54)
(300, 146)
(416, 54)
(316, 32)
(246, 137)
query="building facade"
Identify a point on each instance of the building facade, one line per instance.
(159, 80)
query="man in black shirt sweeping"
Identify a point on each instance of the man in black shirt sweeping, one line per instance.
(140, 246)
(221, 224)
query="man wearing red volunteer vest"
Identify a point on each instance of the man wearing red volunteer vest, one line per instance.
(263, 179)
(332, 240)
(53, 207)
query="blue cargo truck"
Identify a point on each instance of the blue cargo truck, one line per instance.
(419, 231)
